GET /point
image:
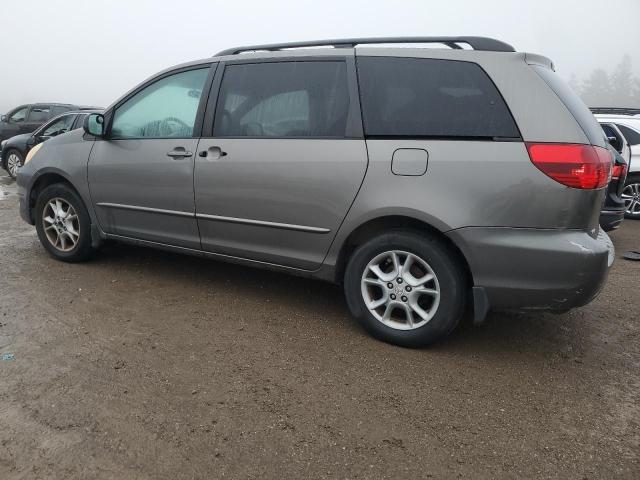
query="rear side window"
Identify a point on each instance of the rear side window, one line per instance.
(632, 136)
(283, 99)
(411, 97)
(39, 113)
(58, 109)
(578, 109)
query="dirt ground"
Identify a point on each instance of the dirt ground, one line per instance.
(146, 365)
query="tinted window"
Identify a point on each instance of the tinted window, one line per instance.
(59, 126)
(632, 136)
(164, 109)
(39, 113)
(58, 109)
(431, 98)
(283, 99)
(18, 115)
(578, 109)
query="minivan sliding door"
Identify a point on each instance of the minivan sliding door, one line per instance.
(285, 160)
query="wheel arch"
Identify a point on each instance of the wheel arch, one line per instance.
(45, 179)
(372, 227)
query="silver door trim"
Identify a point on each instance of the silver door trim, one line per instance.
(177, 213)
(261, 223)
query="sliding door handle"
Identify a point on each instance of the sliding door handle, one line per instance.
(212, 153)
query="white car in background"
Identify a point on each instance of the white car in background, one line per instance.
(626, 121)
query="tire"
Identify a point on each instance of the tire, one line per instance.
(631, 196)
(12, 161)
(429, 256)
(74, 227)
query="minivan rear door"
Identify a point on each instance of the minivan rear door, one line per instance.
(284, 160)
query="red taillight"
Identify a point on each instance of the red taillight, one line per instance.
(619, 171)
(576, 166)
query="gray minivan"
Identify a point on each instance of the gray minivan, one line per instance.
(425, 180)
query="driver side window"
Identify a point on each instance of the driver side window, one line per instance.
(18, 116)
(164, 109)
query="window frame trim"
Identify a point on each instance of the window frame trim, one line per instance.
(109, 115)
(354, 128)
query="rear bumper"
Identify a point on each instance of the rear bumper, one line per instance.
(522, 268)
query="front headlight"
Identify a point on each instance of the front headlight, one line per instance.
(2, 144)
(32, 153)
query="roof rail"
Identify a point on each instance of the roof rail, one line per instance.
(477, 43)
(616, 110)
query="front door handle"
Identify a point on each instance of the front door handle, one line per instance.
(179, 153)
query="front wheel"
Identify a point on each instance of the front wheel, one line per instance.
(13, 162)
(631, 197)
(63, 224)
(406, 288)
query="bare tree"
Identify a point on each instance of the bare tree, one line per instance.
(596, 90)
(622, 82)
(574, 83)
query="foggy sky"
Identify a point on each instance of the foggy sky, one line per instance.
(91, 52)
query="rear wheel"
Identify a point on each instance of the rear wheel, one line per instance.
(406, 288)
(63, 224)
(631, 196)
(13, 162)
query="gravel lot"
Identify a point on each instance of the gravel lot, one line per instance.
(147, 365)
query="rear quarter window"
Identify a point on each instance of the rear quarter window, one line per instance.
(415, 97)
(574, 104)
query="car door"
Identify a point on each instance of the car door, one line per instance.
(632, 135)
(14, 122)
(141, 173)
(284, 162)
(617, 140)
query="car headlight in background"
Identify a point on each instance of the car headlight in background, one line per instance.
(32, 153)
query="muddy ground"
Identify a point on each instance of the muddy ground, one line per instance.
(148, 365)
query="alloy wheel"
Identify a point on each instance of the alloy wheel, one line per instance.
(400, 290)
(61, 224)
(631, 197)
(13, 164)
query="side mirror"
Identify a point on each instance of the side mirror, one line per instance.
(615, 143)
(3, 118)
(94, 125)
(31, 141)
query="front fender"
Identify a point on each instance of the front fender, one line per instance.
(64, 157)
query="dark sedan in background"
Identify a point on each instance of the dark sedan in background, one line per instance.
(26, 118)
(14, 150)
